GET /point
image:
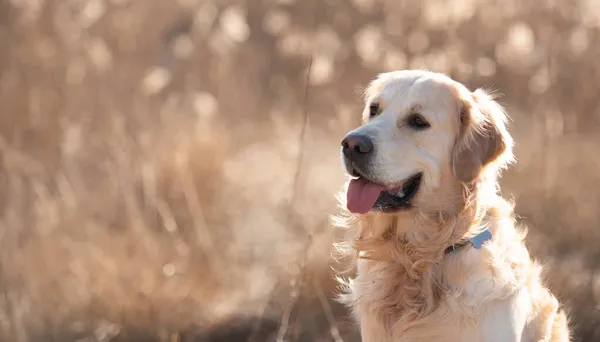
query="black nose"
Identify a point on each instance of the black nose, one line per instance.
(354, 144)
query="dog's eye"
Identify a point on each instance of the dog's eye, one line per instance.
(418, 122)
(373, 109)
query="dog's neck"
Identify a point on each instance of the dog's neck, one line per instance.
(407, 247)
(424, 232)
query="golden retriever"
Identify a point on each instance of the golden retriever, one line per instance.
(437, 252)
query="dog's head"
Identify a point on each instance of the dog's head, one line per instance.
(424, 136)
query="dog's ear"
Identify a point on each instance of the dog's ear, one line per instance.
(483, 138)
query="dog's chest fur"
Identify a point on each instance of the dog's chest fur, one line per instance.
(488, 294)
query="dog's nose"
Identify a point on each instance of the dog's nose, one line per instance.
(355, 143)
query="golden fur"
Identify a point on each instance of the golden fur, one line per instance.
(406, 287)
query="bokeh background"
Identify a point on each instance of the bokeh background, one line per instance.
(167, 168)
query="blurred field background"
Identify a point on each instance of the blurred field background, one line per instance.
(167, 167)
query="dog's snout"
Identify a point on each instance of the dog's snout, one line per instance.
(357, 144)
(357, 150)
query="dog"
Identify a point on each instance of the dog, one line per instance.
(436, 248)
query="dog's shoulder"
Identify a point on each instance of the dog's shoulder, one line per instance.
(497, 270)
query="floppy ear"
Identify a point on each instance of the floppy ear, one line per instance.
(483, 138)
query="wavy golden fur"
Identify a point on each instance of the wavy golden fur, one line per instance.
(407, 288)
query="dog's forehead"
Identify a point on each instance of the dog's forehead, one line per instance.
(427, 91)
(386, 87)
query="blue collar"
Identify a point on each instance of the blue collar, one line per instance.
(477, 241)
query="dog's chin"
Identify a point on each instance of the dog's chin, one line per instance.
(365, 195)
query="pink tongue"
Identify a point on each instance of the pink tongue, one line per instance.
(361, 195)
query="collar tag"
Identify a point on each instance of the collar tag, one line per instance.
(478, 240)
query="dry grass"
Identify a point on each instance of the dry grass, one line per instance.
(149, 152)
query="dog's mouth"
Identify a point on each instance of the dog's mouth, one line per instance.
(365, 195)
